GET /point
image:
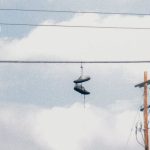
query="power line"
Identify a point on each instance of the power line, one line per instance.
(74, 26)
(74, 11)
(131, 131)
(70, 62)
(137, 117)
(136, 135)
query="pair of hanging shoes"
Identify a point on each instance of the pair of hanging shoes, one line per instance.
(78, 87)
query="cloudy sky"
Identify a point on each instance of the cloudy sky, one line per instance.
(39, 110)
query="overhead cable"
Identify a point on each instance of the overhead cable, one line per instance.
(74, 11)
(74, 26)
(131, 131)
(70, 62)
(136, 135)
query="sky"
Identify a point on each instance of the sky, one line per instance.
(39, 109)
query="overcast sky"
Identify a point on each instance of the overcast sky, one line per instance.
(39, 110)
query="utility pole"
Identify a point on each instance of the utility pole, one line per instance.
(145, 110)
(146, 113)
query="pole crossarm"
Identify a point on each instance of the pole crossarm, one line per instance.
(140, 85)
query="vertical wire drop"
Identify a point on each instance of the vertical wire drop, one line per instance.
(81, 70)
(81, 83)
(84, 101)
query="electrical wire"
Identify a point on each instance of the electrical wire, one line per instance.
(131, 131)
(142, 135)
(81, 69)
(74, 26)
(73, 62)
(84, 101)
(140, 129)
(137, 136)
(137, 117)
(73, 11)
(81, 84)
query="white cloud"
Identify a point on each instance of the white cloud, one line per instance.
(62, 128)
(83, 44)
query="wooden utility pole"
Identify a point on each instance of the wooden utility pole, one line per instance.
(145, 110)
(146, 113)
